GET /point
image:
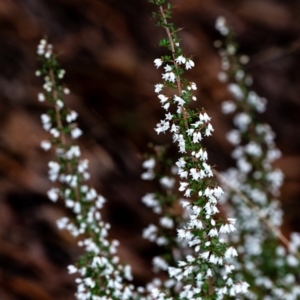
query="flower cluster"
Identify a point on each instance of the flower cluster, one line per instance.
(100, 274)
(270, 268)
(204, 256)
(205, 273)
(164, 203)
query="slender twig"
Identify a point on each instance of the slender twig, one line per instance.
(178, 81)
(62, 136)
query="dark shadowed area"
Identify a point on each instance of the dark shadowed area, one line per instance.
(107, 48)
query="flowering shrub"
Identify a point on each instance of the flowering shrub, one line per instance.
(199, 258)
(270, 268)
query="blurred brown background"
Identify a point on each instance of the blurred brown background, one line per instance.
(107, 48)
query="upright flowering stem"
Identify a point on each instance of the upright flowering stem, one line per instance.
(100, 274)
(205, 273)
(164, 203)
(270, 268)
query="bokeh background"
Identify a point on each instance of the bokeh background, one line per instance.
(107, 48)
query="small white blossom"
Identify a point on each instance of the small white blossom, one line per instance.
(71, 116)
(162, 98)
(242, 120)
(168, 68)
(149, 163)
(72, 269)
(54, 132)
(230, 252)
(45, 145)
(158, 62)
(189, 64)
(76, 133)
(41, 97)
(66, 91)
(180, 59)
(169, 76)
(228, 107)
(233, 137)
(158, 87)
(236, 91)
(53, 194)
(221, 26)
(59, 103)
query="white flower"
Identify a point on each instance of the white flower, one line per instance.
(181, 162)
(213, 232)
(169, 116)
(178, 99)
(233, 137)
(61, 74)
(168, 68)
(222, 76)
(46, 121)
(180, 59)
(167, 182)
(150, 233)
(197, 137)
(148, 175)
(253, 149)
(183, 186)
(48, 53)
(54, 169)
(76, 133)
(62, 223)
(227, 228)
(185, 204)
(74, 151)
(162, 98)
(100, 201)
(166, 106)
(166, 222)
(205, 255)
(230, 252)
(292, 260)
(181, 143)
(53, 194)
(204, 117)
(71, 116)
(221, 26)
(66, 91)
(228, 107)
(150, 201)
(236, 91)
(169, 76)
(45, 145)
(149, 163)
(189, 64)
(158, 87)
(188, 193)
(158, 62)
(162, 126)
(184, 234)
(72, 269)
(193, 86)
(243, 165)
(55, 132)
(59, 103)
(159, 263)
(41, 97)
(208, 130)
(242, 120)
